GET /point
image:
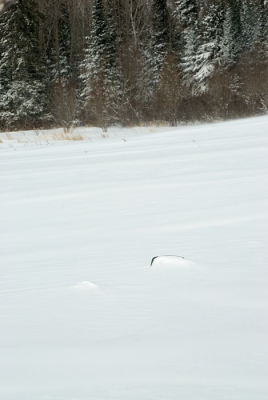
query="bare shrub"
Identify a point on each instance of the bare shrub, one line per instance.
(167, 97)
(64, 104)
(253, 69)
(97, 107)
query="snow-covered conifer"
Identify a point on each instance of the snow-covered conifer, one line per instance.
(232, 31)
(23, 100)
(101, 74)
(186, 13)
(263, 23)
(205, 51)
(160, 36)
(250, 23)
(63, 68)
(61, 52)
(155, 49)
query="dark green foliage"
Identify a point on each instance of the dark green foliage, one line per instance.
(63, 58)
(262, 9)
(101, 72)
(159, 43)
(23, 76)
(160, 25)
(233, 33)
(187, 12)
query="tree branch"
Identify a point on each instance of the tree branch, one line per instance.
(4, 4)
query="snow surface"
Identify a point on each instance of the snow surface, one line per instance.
(83, 316)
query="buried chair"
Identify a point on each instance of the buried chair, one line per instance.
(164, 256)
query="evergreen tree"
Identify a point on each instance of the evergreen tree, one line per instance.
(23, 99)
(233, 32)
(157, 49)
(101, 73)
(185, 16)
(250, 15)
(263, 23)
(160, 36)
(206, 51)
(2, 85)
(61, 53)
(166, 73)
(63, 68)
(186, 12)
(190, 62)
(131, 39)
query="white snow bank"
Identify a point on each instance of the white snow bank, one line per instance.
(85, 286)
(77, 216)
(47, 137)
(172, 262)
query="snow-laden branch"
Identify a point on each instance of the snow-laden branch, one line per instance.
(4, 4)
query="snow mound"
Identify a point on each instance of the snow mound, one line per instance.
(171, 262)
(85, 286)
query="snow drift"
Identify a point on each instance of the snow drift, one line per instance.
(80, 315)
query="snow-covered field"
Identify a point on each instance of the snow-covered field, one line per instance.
(83, 316)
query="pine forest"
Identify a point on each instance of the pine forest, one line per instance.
(67, 63)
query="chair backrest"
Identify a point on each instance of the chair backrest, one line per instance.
(167, 257)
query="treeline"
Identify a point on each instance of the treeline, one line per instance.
(77, 62)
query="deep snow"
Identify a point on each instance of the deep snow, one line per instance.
(84, 316)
